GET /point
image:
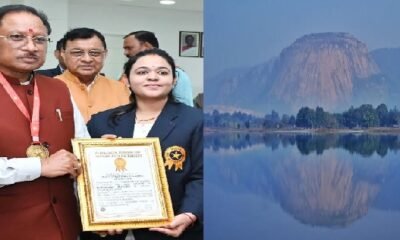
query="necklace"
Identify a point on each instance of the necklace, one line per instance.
(144, 120)
(143, 126)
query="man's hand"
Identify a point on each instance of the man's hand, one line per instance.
(59, 164)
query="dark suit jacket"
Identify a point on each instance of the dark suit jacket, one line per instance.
(52, 72)
(177, 125)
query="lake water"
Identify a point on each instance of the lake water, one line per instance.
(302, 186)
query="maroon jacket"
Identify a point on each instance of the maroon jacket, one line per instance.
(46, 207)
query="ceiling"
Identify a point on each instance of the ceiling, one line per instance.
(188, 5)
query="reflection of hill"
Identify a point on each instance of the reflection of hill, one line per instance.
(363, 144)
(322, 191)
(247, 176)
(327, 188)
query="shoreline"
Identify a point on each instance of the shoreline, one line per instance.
(378, 130)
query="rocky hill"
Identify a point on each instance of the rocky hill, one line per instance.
(332, 70)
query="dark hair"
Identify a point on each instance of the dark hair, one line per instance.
(155, 51)
(145, 36)
(189, 36)
(83, 33)
(60, 44)
(127, 69)
(23, 8)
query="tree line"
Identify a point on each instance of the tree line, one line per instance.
(364, 144)
(365, 116)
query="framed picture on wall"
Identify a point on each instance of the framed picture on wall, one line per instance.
(202, 44)
(189, 44)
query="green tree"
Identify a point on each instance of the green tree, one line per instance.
(305, 117)
(369, 117)
(285, 120)
(319, 117)
(247, 124)
(292, 121)
(394, 117)
(383, 115)
(351, 118)
(216, 118)
(330, 120)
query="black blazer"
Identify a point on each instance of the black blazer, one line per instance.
(177, 125)
(52, 72)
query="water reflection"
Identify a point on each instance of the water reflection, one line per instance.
(326, 180)
(324, 192)
(363, 144)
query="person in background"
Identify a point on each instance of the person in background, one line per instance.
(198, 101)
(52, 72)
(153, 112)
(189, 47)
(189, 42)
(138, 41)
(37, 118)
(84, 52)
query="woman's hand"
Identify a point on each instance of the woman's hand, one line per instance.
(109, 136)
(177, 226)
(109, 232)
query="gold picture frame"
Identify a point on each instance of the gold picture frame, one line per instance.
(123, 184)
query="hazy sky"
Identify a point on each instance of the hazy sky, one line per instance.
(245, 33)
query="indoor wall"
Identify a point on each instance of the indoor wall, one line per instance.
(116, 20)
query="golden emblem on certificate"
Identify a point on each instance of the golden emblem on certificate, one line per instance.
(120, 164)
(123, 184)
(37, 150)
(175, 156)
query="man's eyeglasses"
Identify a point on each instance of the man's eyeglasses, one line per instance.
(21, 39)
(92, 53)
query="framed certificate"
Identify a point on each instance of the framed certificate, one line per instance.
(123, 184)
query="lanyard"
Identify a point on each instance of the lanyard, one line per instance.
(36, 106)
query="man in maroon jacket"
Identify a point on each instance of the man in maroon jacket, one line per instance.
(37, 201)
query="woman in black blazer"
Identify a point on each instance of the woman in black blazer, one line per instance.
(154, 113)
